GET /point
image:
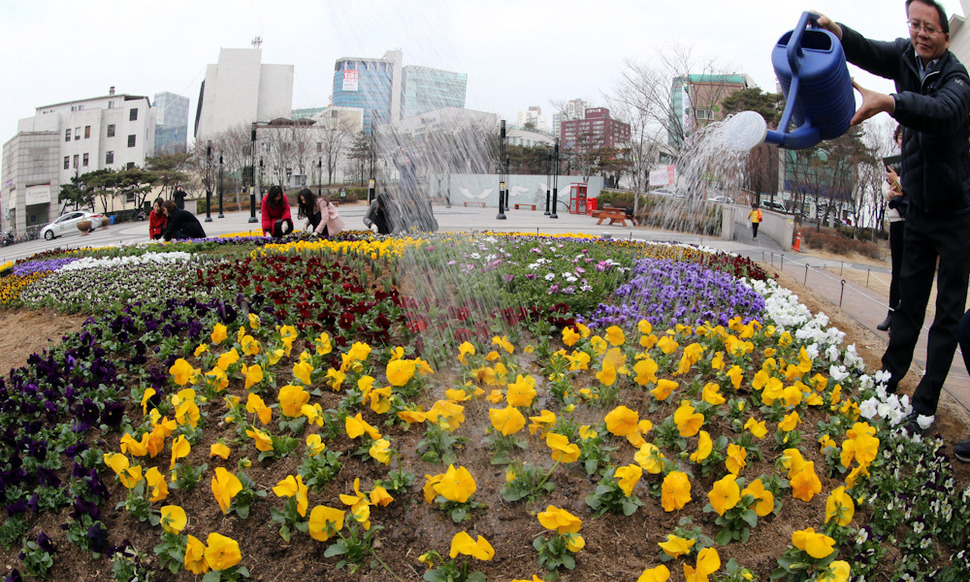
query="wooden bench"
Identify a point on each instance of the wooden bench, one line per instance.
(523, 205)
(614, 215)
(481, 204)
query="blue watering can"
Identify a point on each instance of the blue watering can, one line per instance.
(810, 66)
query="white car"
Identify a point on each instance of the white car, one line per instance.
(667, 192)
(721, 199)
(776, 206)
(66, 224)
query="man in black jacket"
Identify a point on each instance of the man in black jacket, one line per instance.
(932, 103)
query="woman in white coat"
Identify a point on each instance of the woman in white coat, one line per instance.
(321, 215)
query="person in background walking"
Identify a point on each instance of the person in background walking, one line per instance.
(277, 220)
(156, 220)
(179, 197)
(896, 215)
(755, 217)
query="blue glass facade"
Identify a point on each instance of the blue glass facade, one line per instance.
(370, 89)
(428, 89)
(171, 123)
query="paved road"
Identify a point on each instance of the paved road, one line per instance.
(867, 306)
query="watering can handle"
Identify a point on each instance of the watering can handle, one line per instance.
(795, 41)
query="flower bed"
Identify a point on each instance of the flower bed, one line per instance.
(262, 420)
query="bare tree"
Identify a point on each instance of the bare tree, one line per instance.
(334, 136)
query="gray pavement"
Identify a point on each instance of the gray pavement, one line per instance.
(863, 303)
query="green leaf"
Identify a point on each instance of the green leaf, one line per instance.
(336, 549)
(750, 517)
(212, 576)
(723, 537)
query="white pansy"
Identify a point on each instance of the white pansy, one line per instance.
(118, 262)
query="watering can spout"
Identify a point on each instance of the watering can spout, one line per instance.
(804, 137)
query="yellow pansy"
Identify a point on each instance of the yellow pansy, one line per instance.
(221, 552)
(559, 520)
(725, 494)
(627, 477)
(675, 491)
(814, 544)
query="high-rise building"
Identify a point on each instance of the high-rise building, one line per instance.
(695, 101)
(596, 129)
(240, 90)
(388, 92)
(574, 109)
(425, 89)
(532, 117)
(171, 123)
(64, 140)
(372, 85)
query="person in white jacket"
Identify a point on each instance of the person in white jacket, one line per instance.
(321, 215)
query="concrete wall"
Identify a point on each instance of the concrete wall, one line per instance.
(527, 189)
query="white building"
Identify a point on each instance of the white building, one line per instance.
(69, 139)
(242, 90)
(528, 138)
(532, 116)
(574, 109)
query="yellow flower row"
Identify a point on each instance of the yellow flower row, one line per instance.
(374, 248)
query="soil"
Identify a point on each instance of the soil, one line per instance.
(618, 548)
(28, 331)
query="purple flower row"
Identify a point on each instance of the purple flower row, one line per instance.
(29, 267)
(666, 292)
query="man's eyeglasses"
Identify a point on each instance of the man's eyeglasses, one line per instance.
(916, 27)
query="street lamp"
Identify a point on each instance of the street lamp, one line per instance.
(252, 168)
(548, 181)
(319, 176)
(501, 178)
(555, 179)
(208, 181)
(221, 215)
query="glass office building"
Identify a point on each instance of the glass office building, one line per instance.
(427, 89)
(171, 123)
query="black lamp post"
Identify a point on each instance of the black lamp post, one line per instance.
(208, 181)
(501, 178)
(252, 186)
(372, 155)
(319, 176)
(548, 181)
(221, 215)
(555, 179)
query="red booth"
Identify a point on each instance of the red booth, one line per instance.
(577, 198)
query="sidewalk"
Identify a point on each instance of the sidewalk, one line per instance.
(865, 306)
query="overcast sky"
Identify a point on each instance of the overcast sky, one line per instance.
(516, 53)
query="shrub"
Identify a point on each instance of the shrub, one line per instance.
(835, 242)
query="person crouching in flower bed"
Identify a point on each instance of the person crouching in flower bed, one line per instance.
(322, 216)
(181, 224)
(275, 208)
(156, 220)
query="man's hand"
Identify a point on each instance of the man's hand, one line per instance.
(873, 103)
(826, 23)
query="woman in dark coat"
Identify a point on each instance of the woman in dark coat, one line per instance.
(182, 224)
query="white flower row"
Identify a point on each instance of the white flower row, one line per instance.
(114, 262)
(784, 310)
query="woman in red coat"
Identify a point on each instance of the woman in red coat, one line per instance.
(156, 220)
(276, 213)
